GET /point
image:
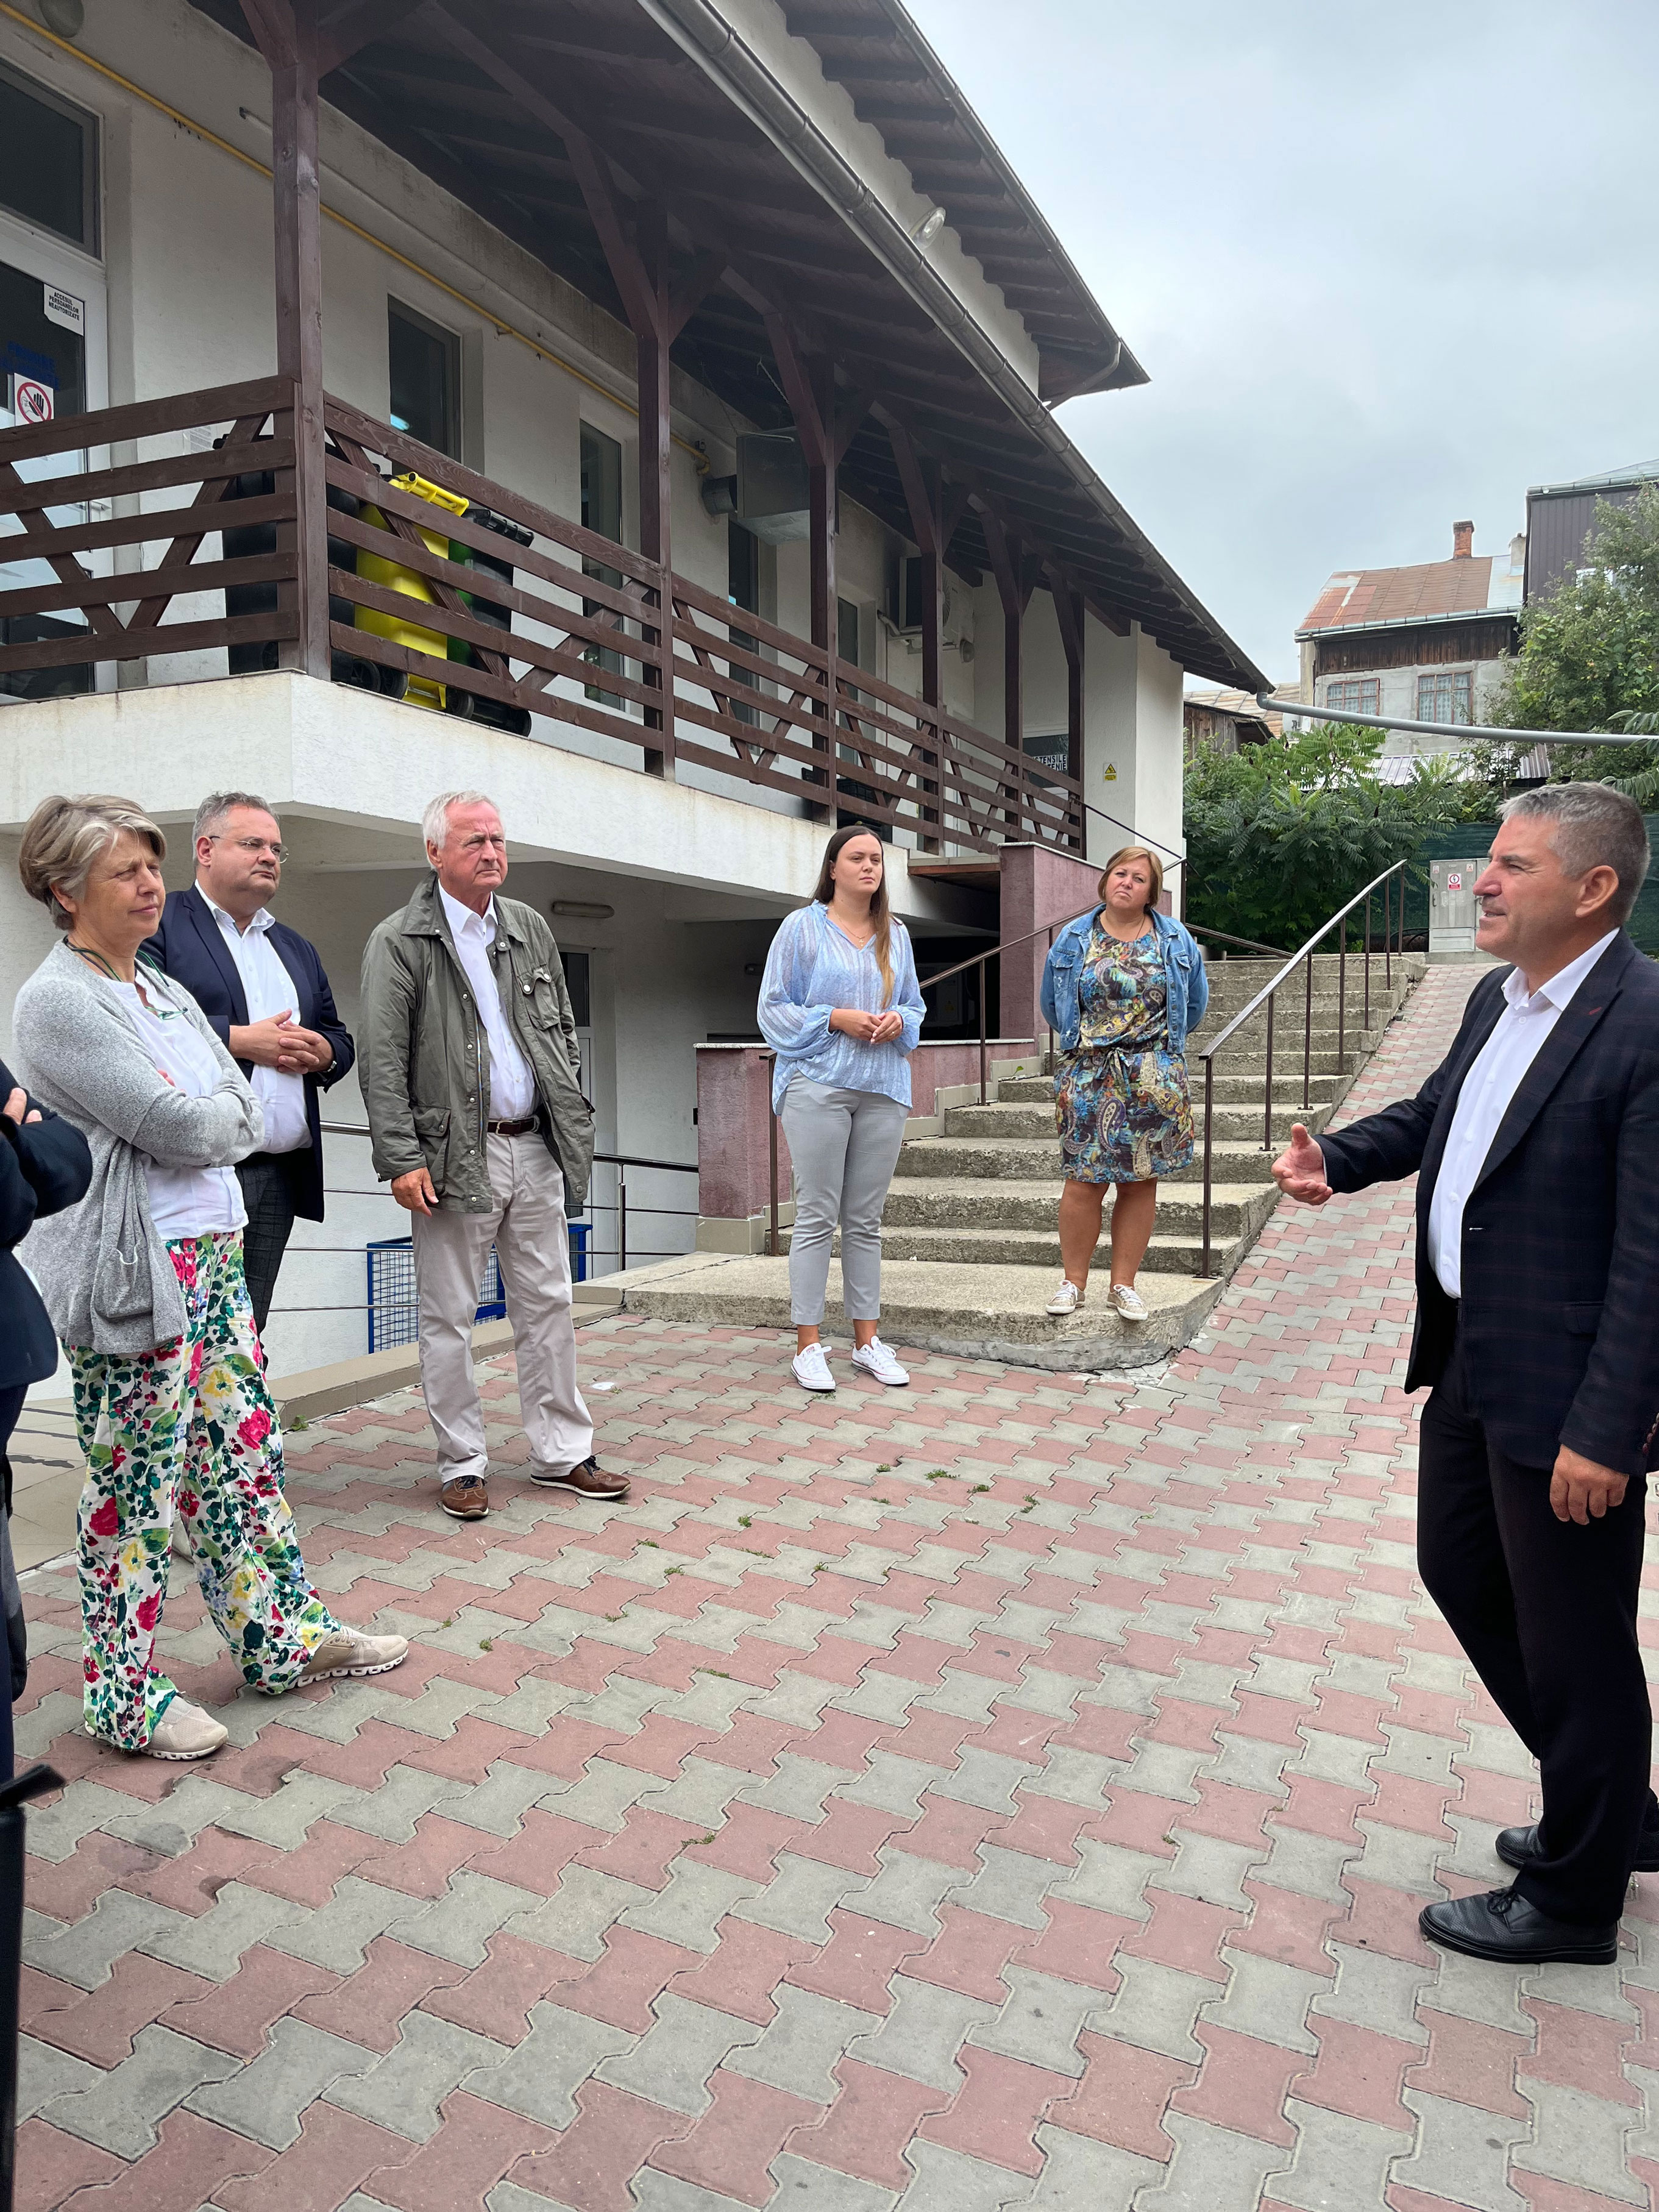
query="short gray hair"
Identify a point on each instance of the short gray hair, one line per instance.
(435, 822)
(1595, 827)
(217, 803)
(64, 838)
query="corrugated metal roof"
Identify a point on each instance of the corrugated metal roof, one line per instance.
(1383, 595)
(1637, 472)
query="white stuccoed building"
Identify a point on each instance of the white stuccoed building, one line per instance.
(701, 308)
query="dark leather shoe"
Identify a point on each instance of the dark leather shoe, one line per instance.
(586, 1480)
(1500, 1924)
(1518, 1847)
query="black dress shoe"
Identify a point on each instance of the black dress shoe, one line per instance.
(1518, 1847)
(1500, 1924)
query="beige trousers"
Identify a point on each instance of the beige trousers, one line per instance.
(528, 1228)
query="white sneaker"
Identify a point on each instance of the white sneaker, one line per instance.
(874, 1358)
(1067, 1300)
(811, 1369)
(1127, 1301)
(185, 1731)
(352, 1653)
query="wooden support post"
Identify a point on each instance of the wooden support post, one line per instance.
(1015, 579)
(923, 488)
(1068, 607)
(286, 33)
(809, 382)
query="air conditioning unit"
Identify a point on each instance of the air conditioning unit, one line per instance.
(908, 610)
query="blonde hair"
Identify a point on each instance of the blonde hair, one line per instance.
(880, 913)
(1134, 853)
(64, 838)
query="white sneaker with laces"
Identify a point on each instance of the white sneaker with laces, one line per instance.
(874, 1358)
(352, 1653)
(1067, 1300)
(1127, 1301)
(811, 1369)
(185, 1731)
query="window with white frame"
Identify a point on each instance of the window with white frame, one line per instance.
(1353, 695)
(1446, 696)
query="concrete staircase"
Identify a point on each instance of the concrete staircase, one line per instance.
(970, 1249)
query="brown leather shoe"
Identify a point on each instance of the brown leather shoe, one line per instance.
(465, 1498)
(586, 1480)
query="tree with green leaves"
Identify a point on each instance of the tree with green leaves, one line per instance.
(1280, 835)
(1588, 659)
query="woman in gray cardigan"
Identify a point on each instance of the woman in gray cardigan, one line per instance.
(145, 1287)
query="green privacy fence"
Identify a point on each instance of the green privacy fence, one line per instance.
(1469, 840)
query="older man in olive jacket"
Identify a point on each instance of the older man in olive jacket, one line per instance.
(468, 1061)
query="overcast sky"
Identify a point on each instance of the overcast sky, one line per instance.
(1385, 267)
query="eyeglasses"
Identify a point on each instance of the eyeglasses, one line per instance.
(274, 846)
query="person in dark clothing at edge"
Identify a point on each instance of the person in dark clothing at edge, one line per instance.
(44, 1166)
(267, 996)
(1536, 1147)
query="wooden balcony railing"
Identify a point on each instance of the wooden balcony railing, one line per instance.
(465, 596)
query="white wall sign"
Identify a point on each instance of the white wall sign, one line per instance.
(30, 400)
(63, 308)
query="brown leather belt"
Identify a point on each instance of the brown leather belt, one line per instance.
(524, 1126)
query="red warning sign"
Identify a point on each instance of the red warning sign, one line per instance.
(31, 401)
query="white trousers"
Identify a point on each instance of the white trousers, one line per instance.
(532, 1238)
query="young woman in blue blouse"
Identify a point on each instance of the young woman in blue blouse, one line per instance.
(840, 1006)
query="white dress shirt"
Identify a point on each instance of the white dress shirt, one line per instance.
(1488, 1089)
(269, 990)
(512, 1084)
(183, 1201)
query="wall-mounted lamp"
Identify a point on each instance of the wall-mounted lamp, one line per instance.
(929, 227)
(66, 17)
(583, 909)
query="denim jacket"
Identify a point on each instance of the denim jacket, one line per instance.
(1184, 968)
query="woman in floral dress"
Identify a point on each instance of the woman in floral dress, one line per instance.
(145, 1284)
(1123, 987)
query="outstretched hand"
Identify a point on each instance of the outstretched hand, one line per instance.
(1299, 1170)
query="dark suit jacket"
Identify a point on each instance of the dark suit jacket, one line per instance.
(189, 947)
(1559, 1314)
(44, 1166)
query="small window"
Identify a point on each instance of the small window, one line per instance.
(1354, 695)
(1448, 695)
(425, 379)
(578, 980)
(602, 472)
(48, 162)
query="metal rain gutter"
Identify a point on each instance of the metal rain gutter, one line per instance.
(1461, 731)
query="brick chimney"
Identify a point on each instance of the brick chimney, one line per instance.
(1462, 541)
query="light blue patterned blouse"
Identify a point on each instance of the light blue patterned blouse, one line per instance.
(811, 971)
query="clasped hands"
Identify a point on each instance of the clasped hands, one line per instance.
(17, 1110)
(280, 1042)
(868, 1028)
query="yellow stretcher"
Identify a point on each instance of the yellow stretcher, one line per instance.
(423, 690)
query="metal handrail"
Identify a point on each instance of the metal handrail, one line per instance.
(1268, 994)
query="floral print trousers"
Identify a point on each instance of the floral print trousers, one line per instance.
(189, 1426)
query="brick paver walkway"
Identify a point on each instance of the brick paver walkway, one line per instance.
(1016, 1791)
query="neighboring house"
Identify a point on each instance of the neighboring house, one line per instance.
(725, 321)
(1425, 643)
(1226, 719)
(1560, 517)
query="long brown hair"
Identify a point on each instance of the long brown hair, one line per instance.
(880, 913)
(1155, 890)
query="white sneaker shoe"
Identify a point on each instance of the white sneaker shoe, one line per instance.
(1127, 1301)
(185, 1731)
(1067, 1300)
(874, 1358)
(811, 1369)
(352, 1653)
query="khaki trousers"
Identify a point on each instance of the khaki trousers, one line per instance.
(528, 1228)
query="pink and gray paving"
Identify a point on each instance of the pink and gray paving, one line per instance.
(1019, 1790)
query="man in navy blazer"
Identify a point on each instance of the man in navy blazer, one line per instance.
(263, 987)
(1536, 1148)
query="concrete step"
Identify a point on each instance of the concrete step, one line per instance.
(966, 1311)
(1231, 1089)
(1033, 1159)
(1167, 1255)
(1242, 1121)
(914, 1202)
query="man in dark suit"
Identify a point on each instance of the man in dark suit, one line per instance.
(1537, 1141)
(263, 987)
